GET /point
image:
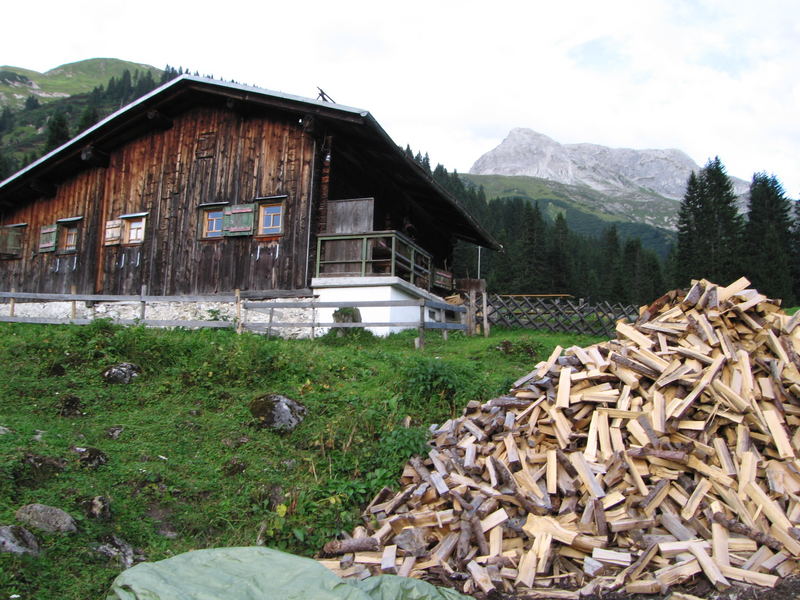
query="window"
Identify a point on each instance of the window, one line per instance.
(270, 218)
(69, 238)
(134, 230)
(67, 234)
(213, 219)
(127, 229)
(11, 240)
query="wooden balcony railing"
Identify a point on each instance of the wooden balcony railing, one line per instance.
(377, 254)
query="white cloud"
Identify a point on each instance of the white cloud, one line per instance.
(711, 77)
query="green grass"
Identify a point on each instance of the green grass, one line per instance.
(188, 432)
(73, 78)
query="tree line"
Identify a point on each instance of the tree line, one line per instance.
(62, 119)
(715, 240)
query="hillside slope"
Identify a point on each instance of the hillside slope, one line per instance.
(17, 84)
(589, 212)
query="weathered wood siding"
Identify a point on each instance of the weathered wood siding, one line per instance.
(209, 155)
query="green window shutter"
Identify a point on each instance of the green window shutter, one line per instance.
(238, 219)
(47, 238)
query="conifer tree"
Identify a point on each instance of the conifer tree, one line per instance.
(89, 117)
(57, 132)
(768, 238)
(558, 260)
(709, 228)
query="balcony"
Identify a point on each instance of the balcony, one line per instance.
(376, 254)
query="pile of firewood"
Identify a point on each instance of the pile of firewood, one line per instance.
(635, 464)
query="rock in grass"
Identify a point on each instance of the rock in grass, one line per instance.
(46, 518)
(121, 373)
(17, 540)
(91, 458)
(98, 507)
(277, 412)
(116, 547)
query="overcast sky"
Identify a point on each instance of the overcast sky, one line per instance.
(710, 77)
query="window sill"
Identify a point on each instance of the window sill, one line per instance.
(268, 238)
(212, 239)
(66, 252)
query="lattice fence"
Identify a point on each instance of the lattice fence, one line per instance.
(558, 314)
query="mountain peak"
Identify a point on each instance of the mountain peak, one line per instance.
(613, 171)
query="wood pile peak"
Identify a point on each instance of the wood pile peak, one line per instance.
(667, 455)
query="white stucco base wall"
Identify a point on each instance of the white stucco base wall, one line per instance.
(372, 289)
(329, 289)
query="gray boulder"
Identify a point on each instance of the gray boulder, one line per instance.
(277, 412)
(17, 540)
(46, 518)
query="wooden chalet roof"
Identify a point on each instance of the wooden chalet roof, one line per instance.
(357, 132)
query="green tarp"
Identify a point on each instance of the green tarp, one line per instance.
(256, 573)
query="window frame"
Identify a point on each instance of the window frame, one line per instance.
(206, 209)
(263, 203)
(127, 227)
(66, 228)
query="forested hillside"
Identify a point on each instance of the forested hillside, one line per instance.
(28, 132)
(544, 255)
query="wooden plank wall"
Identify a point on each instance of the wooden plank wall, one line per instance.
(210, 154)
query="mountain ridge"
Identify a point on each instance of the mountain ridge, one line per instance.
(639, 185)
(63, 81)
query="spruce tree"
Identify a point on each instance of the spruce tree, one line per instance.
(88, 118)
(721, 226)
(709, 228)
(57, 132)
(768, 238)
(686, 263)
(558, 259)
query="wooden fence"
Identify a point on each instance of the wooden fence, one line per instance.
(239, 322)
(564, 315)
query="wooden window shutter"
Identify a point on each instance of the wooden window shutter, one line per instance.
(11, 241)
(47, 238)
(113, 233)
(238, 219)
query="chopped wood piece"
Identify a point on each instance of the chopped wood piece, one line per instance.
(348, 546)
(481, 576)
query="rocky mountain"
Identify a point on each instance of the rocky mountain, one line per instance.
(635, 185)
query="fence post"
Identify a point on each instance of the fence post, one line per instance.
(239, 325)
(471, 312)
(74, 308)
(11, 303)
(142, 304)
(313, 320)
(485, 309)
(421, 337)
